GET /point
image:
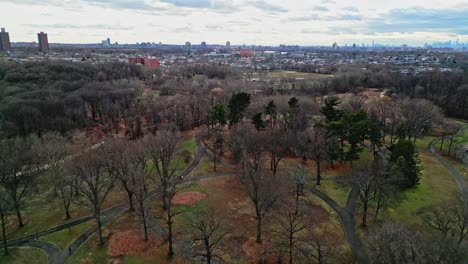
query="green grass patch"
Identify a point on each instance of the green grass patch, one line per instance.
(461, 139)
(339, 193)
(436, 186)
(190, 145)
(90, 252)
(42, 213)
(64, 238)
(23, 256)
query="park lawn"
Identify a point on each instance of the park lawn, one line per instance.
(23, 255)
(422, 144)
(204, 167)
(90, 252)
(436, 186)
(189, 144)
(183, 221)
(457, 140)
(193, 187)
(459, 166)
(64, 238)
(43, 214)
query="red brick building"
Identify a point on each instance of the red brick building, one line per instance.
(149, 62)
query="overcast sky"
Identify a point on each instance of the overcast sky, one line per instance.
(262, 22)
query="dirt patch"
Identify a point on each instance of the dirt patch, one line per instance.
(261, 253)
(188, 198)
(130, 243)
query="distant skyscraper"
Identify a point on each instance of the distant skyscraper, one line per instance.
(4, 41)
(43, 42)
(203, 44)
(188, 47)
(228, 44)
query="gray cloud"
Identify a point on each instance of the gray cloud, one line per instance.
(351, 9)
(318, 17)
(208, 4)
(420, 19)
(261, 4)
(321, 8)
(73, 26)
(123, 4)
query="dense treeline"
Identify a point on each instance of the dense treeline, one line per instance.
(448, 90)
(41, 96)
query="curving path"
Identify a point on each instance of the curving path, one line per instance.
(455, 174)
(346, 215)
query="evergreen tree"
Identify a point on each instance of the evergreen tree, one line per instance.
(218, 115)
(405, 157)
(258, 121)
(271, 110)
(238, 103)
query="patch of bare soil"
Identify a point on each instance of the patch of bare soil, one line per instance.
(130, 243)
(188, 198)
(261, 253)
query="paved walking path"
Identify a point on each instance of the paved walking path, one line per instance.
(455, 174)
(346, 215)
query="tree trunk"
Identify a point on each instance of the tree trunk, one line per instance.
(67, 214)
(318, 171)
(208, 256)
(170, 253)
(442, 143)
(20, 218)
(99, 224)
(164, 196)
(379, 206)
(450, 145)
(290, 249)
(145, 229)
(130, 201)
(5, 240)
(364, 213)
(259, 229)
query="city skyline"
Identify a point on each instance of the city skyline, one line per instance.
(259, 22)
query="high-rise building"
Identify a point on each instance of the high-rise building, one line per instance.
(203, 44)
(43, 42)
(188, 47)
(228, 44)
(4, 40)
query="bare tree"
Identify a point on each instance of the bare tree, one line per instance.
(395, 243)
(126, 160)
(297, 180)
(172, 187)
(5, 208)
(318, 247)
(140, 179)
(162, 148)
(53, 150)
(277, 145)
(97, 182)
(261, 188)
(209, 236)
(419, 116)
(291, 231)
(449, 219)
(317, 147)
(18, 163)
(371, 180)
